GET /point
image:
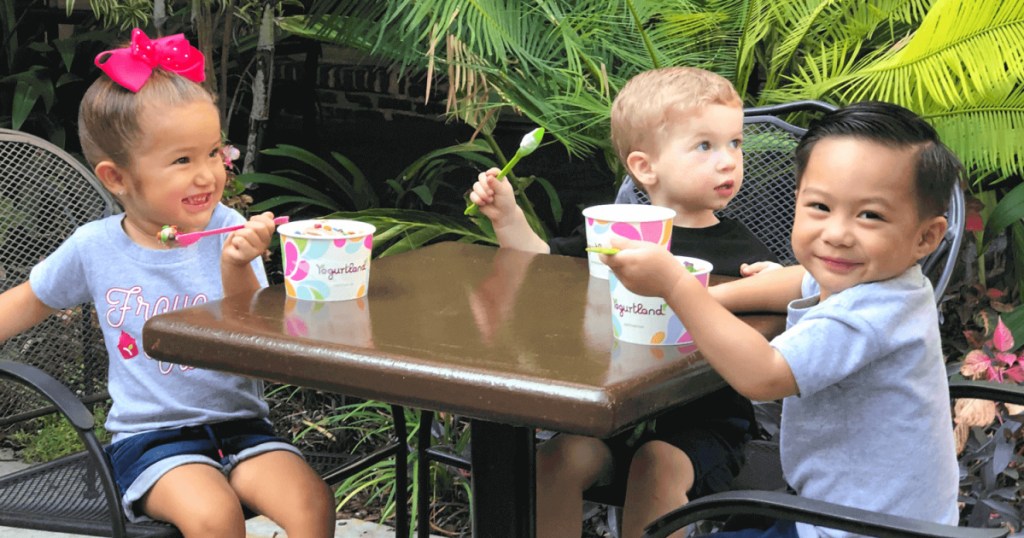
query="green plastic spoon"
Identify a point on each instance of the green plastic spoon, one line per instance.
(610, 251)
(527, 146)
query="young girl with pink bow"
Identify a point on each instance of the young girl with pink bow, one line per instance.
(191, 447)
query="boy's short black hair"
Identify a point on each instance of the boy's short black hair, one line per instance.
(937, 169)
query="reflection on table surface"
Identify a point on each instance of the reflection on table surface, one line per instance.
(495, 334)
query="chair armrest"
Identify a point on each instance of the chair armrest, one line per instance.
(987, 390)
(53, 390)
(793, 508)
(81, 418)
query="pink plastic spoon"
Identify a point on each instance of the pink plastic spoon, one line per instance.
(170, 233)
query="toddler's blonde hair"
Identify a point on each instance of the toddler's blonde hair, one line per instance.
(109, 115)
(648, 103)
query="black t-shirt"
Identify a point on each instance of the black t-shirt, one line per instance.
(726, 245)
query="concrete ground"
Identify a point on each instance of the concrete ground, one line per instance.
(259, 527)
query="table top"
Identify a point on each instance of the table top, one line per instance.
(494, 334)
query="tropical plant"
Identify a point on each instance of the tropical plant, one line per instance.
(37, 73)
(417, 211)
(560, 62)
(369, 425)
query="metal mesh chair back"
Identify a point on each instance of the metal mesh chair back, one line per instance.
(767, 199)
(45, 194)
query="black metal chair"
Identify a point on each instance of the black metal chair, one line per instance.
(785, 506)
(60, 366)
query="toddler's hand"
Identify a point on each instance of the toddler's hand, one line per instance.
(645, 268)
(495, 198)
(751, 269)
(243, 246)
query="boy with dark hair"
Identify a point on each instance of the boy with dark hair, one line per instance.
(860, 365)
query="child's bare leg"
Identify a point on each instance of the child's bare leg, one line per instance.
(281, 486)
(198, 500)
(659, 477)
(566, 466)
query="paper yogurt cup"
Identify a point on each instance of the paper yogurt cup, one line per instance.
(632, 221)
(326, 259)
(649, 320)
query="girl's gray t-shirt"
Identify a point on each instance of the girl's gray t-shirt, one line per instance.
(129, 284)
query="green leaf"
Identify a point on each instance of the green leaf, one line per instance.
(26, 95)
(424, 193)
(66, 49)
(467, 150)
(275, 202)
(312, 160)
(289, 184)
(367, 197)
(556, 202)
(67, 78)
(1009, 210)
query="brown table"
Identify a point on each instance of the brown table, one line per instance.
(513, 340)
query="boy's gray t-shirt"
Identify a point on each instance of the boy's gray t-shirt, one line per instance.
(870, 426)
(129, 284)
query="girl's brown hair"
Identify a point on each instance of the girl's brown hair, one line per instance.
(109, 116)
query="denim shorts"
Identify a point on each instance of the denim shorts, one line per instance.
(142, 459)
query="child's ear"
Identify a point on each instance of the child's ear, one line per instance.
(931, 233)
(639, 165)
(111, 176)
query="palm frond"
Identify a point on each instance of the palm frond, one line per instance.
(833, 23)
(960, 69)
(987, 138)
(964, 53)
(538, 57)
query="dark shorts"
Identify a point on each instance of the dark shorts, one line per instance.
(140, 460)
(711, 431)
(715, 450)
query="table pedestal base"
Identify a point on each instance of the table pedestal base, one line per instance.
(503, 480)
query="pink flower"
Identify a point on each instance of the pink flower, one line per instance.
(230, 153)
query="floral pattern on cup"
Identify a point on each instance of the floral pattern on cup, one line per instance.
(630, 221)
(649, 320)
(326, 268)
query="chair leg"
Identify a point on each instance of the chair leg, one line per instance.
(401, 473)
(423, 441)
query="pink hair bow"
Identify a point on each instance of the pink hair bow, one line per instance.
(131, 66)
